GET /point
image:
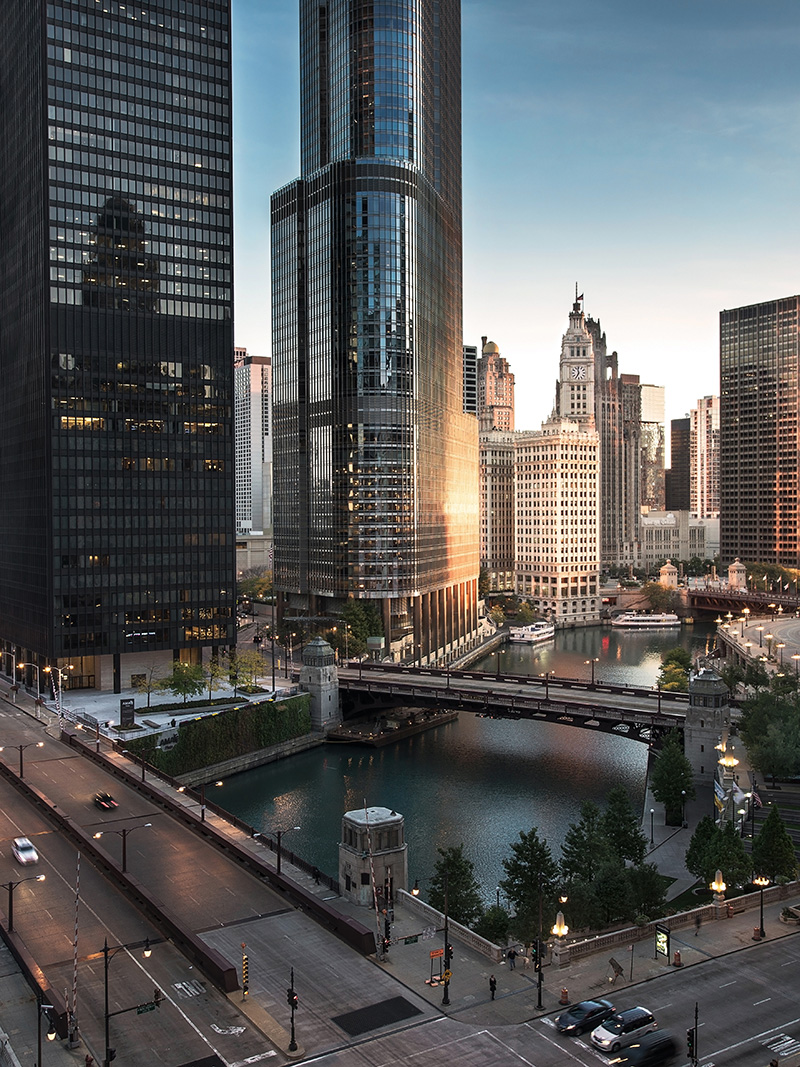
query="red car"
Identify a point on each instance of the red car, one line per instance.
(105, 801)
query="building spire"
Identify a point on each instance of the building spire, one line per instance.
(578, 299)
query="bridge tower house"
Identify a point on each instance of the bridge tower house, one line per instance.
(708, 718)
(320, 679)
(373, 845)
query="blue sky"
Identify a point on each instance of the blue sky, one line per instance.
(649, 152)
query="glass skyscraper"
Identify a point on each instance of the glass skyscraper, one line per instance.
(375, 460)
(116, 467)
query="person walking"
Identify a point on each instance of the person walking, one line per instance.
(511, 955)
(492, 985)
(697, 921)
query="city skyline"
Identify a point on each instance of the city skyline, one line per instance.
(663, 137)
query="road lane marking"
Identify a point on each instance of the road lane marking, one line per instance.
(726, 984)
(764, 1001)
(755, 1037)
(255, 1059)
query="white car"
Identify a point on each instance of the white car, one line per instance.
(623, 1029)
(24, 852)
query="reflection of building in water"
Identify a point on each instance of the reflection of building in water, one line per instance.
(120, 273)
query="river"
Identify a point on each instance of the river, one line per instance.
(477, 780)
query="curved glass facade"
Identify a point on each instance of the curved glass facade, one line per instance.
(376, 473)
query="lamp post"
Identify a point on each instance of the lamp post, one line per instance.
(292, 998)
(683, 807)
(42, 1009)
(546, 676)
(760, 631)
(658, 689)
(203, 799)
(652, 817)
(718, 888)
(60, 671)
(124, 835)
(745, 618)
(796, 658)
(278, 835)
(592, 662)
(108, 956)
(30, 744)
(762, 882)
(770, 639)
(11, 886)
(446, 994)
(22, 666)
(781, 645)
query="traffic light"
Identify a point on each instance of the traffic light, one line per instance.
(112, 1054)
(245, 976)
(158, 996)
(291, 999)
(690, 1043)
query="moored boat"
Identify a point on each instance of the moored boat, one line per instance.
(533, 633)
(642, 620)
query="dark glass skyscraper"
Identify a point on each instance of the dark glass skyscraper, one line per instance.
(759, 434)
(376, 462)
(116, 467)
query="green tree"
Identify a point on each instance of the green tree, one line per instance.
(675, 667)
(622, 828)
(585, 846)
(247, 668)
(726, 853)
(696, 853)
(216, 671)
(612, 893)
(186, 680)
(255, 583)
(732, 675)
(497, 615)
(464, 903)
(493, 925)
(531, 873)
(659, 597)
(770, 729)
(484, 584)
(525, 614)
(773, 850)
(647, 888)
(149, 682)
(670, 777)
(756, 676)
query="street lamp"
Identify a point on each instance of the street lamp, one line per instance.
(11, 886)
(718, 887)
(30, 744)
(42, 1009)
(22, 666)
(546, 675)
(560, 929)
(124, 835)
(796, 658)
(652, 816)
(60, 671)
(761, 881)
(760, 630)
(203, 799)
(596, 659)
(683, 807)
(108, 956)
(446, 994)
(745, 619)
(278, 834)
(781, 645)
(770, 639)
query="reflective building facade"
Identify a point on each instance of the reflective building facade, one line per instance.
(375, 459)
(116, 470)
(759, 440)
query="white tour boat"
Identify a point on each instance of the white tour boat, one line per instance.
(532, 634)
(642, 620)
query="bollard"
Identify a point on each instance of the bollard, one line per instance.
(676, 959)
(564, 995)
(756, 933)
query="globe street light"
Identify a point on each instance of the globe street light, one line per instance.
(796, 658)
(22, 666)
(278, 834)
(124, 835)
(43, 1009)
(108, 956)
(652, 816)
(596, 659)
(781, 645)
(760, 630)
(11, 886)
(30, 744)
(60, 671)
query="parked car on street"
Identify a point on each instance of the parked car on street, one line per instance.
(24, 852)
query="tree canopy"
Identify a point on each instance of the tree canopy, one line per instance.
(464, 903)
(773, 849)
(186, 680)
(770, 729)
(530, 871)
(671, 777)
(622, 827)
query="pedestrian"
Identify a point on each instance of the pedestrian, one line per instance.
(512, 958)
(492, 985)
(697, 920)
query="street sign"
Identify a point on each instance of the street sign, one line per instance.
(436, 953)
(447, 975)
(429, 933)
(411, 940)
(142, 1008)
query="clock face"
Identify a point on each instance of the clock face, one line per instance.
(579, 374)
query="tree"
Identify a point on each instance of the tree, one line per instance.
(255, 583)
(217, 670)
(675, 666)
(149, 682)
(622, 828)
(726, 853)
(493, 925)
(770, 729)
(464, 903)
(525, 614)
(186, 680)
(246, 668)
(756, 676)
(647, 889)
(497, 615)
(585, 845)
(773, 849)
(531, 874)
(659, 597)
(612, 893)
(484, 583)
(732, 675)
(697, 851)
(671, 777)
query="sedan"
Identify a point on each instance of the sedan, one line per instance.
(584, 1016)
(652, 1050)
(105, 801)
(24, 852)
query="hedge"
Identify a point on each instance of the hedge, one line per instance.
(227, 734)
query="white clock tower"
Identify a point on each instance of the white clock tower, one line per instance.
(576, 378)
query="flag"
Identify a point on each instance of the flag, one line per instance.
(738, 794)
(580, 297)
(786, 587)
(718, 790)
(757, 800)
(720, 804)
(765, 577)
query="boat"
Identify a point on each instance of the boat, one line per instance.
(642, 620)
(533, 633)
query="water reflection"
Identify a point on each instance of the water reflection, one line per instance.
(476, 780)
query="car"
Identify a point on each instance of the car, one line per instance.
(652, 1050)
(105, 801)
(586, 1015)
(623, 1029)
(24, 852)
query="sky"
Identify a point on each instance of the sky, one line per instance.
(648, 152)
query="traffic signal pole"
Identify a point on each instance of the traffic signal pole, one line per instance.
(291, 998)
